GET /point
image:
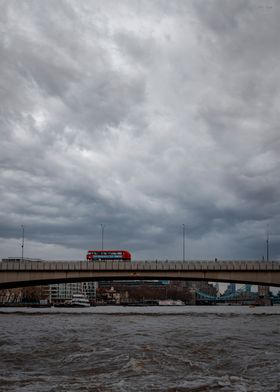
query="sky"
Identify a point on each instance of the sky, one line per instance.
(141, 116)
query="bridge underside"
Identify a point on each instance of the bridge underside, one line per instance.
(13, 279)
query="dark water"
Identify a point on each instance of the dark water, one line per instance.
(156, 351)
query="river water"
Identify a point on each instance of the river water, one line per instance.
(218, 348)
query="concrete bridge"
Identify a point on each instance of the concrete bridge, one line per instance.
(32, 273)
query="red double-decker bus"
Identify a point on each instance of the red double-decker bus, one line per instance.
(102, 255)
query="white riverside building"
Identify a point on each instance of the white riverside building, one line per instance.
(59, 293)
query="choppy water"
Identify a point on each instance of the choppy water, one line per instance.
(140, 349)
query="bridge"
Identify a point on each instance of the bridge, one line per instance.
(32, 273)
(238, 294)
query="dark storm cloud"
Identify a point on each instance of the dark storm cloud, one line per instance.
(141, 116)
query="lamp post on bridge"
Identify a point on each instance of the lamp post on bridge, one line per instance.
(267, 244)
(184, 235)
(102, 235)
(22, 243)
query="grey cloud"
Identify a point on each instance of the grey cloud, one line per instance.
(141, 117)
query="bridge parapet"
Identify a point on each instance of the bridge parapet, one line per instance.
(140, 265)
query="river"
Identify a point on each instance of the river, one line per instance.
(218, 348)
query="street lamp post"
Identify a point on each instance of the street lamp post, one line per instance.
(267, 244)
(22, 243)
(184, 234)
(102, 235)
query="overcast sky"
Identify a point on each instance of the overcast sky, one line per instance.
(141, 116)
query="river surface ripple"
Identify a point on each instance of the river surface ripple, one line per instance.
(219, 348)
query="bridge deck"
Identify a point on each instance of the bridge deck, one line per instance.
(28, 273)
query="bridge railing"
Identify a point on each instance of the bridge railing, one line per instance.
(140, 265)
